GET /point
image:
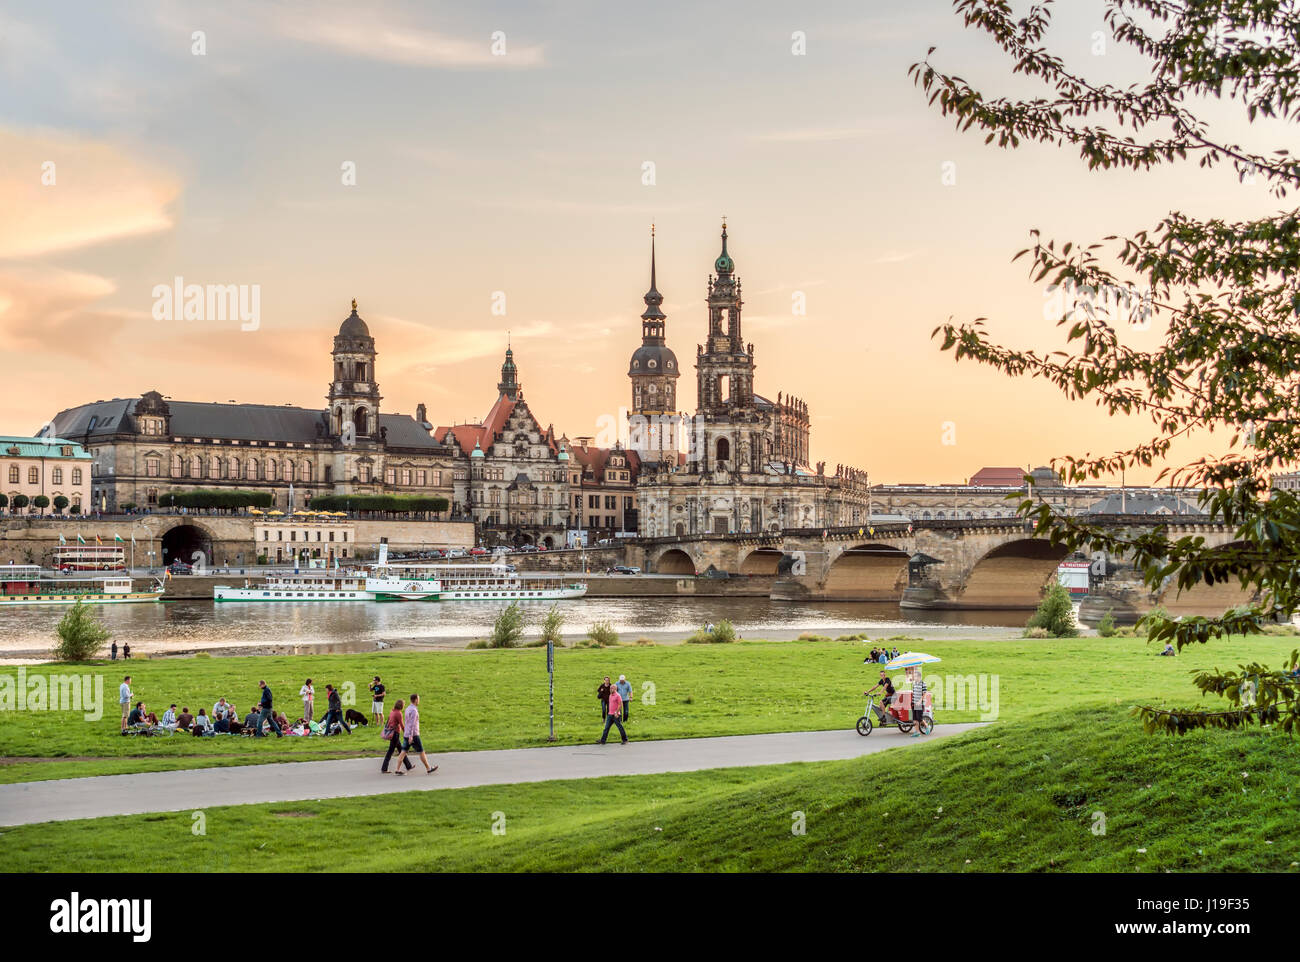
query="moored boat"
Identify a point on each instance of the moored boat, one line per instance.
(28, 585)
(305, 586)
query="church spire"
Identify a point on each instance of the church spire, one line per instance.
(509, 384)
(653, 316)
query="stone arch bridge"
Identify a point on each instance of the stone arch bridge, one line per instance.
(994, 563)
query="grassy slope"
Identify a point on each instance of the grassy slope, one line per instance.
(497, 699)
(1012, 797)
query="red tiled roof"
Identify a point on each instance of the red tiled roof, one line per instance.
(998, 478)
(597, 458)
(467, 435)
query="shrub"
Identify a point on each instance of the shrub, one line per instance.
(80, 634)
(41, 502)
(552, 626)
(603, 633)
(1035, 632)
(1056, 613)
(4, 501)
(1106, 627)
(1146, 624)
(508, 627)
(75, 509)
(20, 501)
(811, 636)
(60, 503)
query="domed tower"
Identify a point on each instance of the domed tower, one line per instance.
(653, 372)
(509, 383)
(354, 394)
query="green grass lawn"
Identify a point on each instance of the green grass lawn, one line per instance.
(1017, 796)
(498, 699)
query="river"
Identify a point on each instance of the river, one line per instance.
(186, 626)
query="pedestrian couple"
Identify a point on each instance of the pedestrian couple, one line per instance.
(403, 734)
(614, 701)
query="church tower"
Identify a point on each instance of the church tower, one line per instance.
(725, 366)
(653, 418)
(354, 394)
(509, 383)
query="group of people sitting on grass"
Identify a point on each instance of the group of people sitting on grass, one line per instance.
(882, 655)
(225, 719)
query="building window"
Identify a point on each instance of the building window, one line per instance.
(390, 476)
(196, 467)
(306, 472)
(178, 466)
(13, 474)
(151, 468)
(151, 496)
(33, 475)
(406, 477)
(56, 476)
(422, 478)
(610, 503)
(271, 473)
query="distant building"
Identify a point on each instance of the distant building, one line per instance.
(602, 487)
(512, 475)
(144, 447)
(53, 467)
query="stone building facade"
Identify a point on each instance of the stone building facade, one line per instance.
(602, 489)
(144, 447)
(53, 467)
(511, 474)
(746, 464)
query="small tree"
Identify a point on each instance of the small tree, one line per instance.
(552, 625)
(75, 509)
(80, 634)
(19, 502)
(602, 633)
(1056, 613)
(60, 503)
(1106, 627)
(41, 502)
(4, 501)
(508, 627)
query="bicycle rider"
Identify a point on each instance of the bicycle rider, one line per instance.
(882, 709)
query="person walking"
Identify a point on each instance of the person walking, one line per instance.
(267, 716)
(308, 695)
(112, 656)
(394, 732)
(377, 691)
(602, 692)
(124, 696)
(126, 650)
(613, 716)
(624, 689)
(411, 724)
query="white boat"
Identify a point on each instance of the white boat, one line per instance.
(305, 586)
(500, 582)
(402, 582)
(28, 585)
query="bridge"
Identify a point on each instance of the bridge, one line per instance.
(988, 563)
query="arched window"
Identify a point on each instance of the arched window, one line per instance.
(234, 468)
(13, 474)
(251, 473)
(178, 466)
(361, 421)
(288, 469)
(56, 476)
(271, 474)
(724, 449)
(196, 466)
(305, 471)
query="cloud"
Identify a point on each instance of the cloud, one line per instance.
(50, 310)
(365, 35)
(99, 193)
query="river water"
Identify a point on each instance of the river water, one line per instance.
(186, 626)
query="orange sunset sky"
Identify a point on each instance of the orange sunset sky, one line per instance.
(523, 173)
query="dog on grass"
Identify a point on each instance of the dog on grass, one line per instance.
(354, 717)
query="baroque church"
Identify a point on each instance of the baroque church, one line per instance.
(741, 463)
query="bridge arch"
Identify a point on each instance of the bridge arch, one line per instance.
(761, 561)
(1203, 599)
(675, 561)
(1012, 574)
(867, 572)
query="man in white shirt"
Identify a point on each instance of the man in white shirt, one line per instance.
(169, 718)
(124, 696)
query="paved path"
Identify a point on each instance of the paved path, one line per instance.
(105, 795)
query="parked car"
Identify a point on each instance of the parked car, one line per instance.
(605, 541)
(527, 549)
(457, 553)
(180, 568)
(623, 570)
(478, 551)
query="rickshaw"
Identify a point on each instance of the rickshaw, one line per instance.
(900, 713)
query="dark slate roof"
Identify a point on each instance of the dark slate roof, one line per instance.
(236, 422)
(1140, 502)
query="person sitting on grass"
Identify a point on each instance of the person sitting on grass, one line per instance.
(202, 724)
(1169, 650)
(221, 724)
(169, 717)
(137, 715)
(184, 720)
(236, 726)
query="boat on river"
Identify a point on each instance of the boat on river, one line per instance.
(30, 585)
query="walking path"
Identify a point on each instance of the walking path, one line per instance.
(105, 795)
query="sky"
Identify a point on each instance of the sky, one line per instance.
(473, 173)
